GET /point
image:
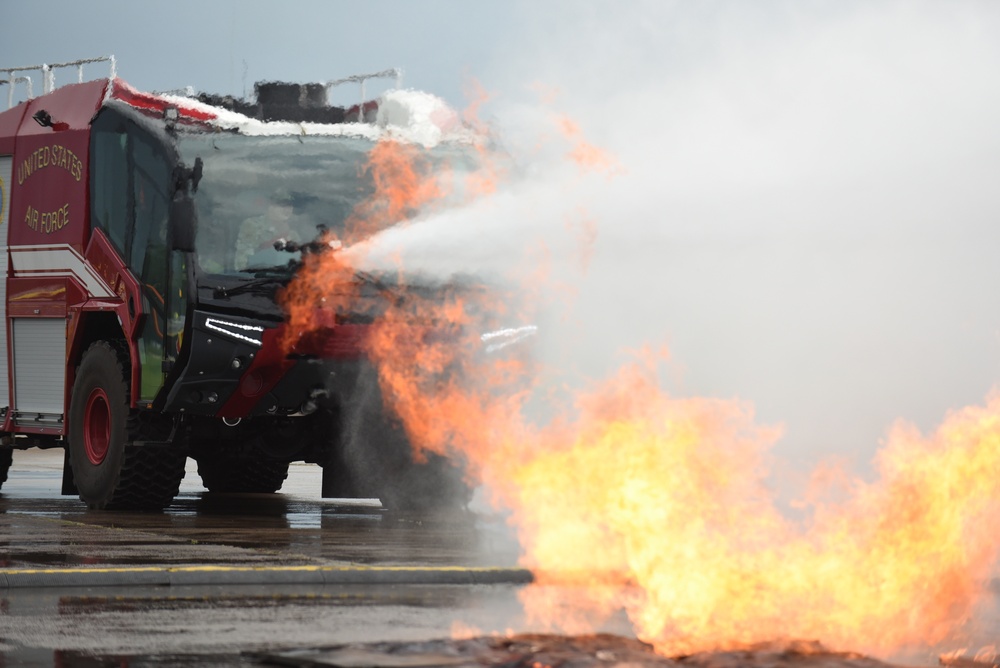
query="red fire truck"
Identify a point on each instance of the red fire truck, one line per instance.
(139, 317)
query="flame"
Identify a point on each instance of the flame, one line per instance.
(323, 287)
(444, 399)
(986, 657)
(583, 153)
(986, 654)
(659, 506)
(402, 186)
(633, 500)
(462, 631)
(697, 553)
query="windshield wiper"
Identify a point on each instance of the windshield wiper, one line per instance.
(265, 278)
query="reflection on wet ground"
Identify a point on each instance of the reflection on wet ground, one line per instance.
(414, 596)
(240, 529)
(40, 528)
(213, 624)
(590, 651)
(220, 626)
(78, 659)
(506, 651)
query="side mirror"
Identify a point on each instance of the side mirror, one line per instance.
(183, 224)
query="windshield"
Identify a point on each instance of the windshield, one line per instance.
(256, 190)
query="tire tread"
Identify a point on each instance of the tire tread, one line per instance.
(6, 457)
(150, 476)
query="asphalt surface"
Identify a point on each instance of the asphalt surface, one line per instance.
(218, 579)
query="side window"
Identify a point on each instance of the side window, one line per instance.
(149, 238)
(148, 256)
(110, 203)
(130, 181)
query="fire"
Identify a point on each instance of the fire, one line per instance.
(986, 657)
(486, 179)
(461, 631)
(635, 500)
(583, 153)
(323, 285)
(397, 171)
(697, 553)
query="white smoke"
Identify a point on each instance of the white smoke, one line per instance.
(803, 211)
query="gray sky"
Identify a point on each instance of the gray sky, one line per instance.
(807, 213)
(207, 44)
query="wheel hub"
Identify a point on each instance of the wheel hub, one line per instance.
(97, 426)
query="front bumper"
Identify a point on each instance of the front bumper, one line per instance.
(237, 367)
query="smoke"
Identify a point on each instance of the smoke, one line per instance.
(798, 203)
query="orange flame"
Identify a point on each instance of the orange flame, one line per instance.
(659, 506)
(486, 179)
(697, 553)
(583, 153)
(402, 186)
(323, 289)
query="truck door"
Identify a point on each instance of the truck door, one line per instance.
(130, 200)
(5, 174)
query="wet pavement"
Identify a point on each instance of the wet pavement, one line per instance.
(224, 559)
(41, 528)
(588, 651)
(222, 626)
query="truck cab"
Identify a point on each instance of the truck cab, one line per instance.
(147, 240)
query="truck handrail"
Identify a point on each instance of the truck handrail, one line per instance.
(48, 74)
(392, 73)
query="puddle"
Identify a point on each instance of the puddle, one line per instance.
(350, 596)
(79, 659)
(34, 560)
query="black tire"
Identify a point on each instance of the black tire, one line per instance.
(6, 456)
(108, 471)
(242, 474)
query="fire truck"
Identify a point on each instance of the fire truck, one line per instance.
(145, 237)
